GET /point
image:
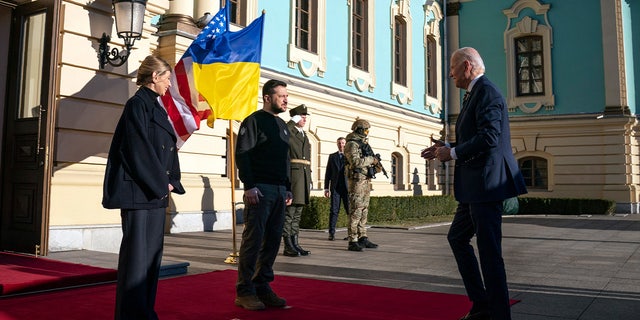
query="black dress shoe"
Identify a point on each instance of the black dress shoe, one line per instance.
(480, 315)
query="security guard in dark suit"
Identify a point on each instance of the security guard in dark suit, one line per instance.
(335, 185)
(300, 155)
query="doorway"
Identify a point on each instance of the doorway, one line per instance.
(27, 111)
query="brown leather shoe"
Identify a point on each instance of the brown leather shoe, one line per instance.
(271, 299)
(250, 303)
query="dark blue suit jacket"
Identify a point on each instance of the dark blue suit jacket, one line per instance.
(334, 178)
(485, 169)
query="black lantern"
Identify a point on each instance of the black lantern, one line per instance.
(129, 19)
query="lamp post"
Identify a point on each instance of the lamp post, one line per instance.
(129, 16)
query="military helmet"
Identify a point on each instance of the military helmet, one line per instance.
(360, 123)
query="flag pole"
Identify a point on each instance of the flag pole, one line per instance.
(232, 258)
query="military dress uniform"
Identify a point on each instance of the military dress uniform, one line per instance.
(300, 155)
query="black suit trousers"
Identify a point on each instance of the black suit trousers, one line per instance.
(336, 198)
(484, 220)
(139, 263)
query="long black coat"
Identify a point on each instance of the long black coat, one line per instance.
(143, 158)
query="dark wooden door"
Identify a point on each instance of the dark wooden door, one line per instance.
(24, 224)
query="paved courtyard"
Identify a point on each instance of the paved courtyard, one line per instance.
(560, 267)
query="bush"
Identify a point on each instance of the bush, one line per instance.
(397, 209)
(381, 209)
(566, 206)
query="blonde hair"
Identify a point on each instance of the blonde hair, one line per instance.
(149, 65)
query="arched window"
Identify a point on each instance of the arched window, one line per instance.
(397, 171)
(535, 172)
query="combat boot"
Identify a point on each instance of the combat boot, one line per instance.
(364, 242)
(354, 246)
(294, 241)
(289, 249)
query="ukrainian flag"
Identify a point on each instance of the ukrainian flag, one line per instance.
(227, 72)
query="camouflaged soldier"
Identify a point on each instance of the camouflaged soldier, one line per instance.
(357, 168)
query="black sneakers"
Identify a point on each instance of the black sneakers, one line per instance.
(354, 246)
(364, 242)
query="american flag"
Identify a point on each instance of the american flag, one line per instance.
(185, 106)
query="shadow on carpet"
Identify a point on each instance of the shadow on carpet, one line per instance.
(211, 295)
(24, 273)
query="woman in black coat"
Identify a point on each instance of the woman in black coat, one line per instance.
(142, 169)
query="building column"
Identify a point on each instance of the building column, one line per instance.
(204, 6)
(176, 30)
(613, 57)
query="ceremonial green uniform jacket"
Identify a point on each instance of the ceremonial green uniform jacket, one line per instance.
(300, 154)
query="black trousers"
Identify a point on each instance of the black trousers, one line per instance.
(485, 280)
(139, 263)
(336, 198)
(261, 241)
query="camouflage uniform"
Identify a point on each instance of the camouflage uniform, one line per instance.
(358, 186)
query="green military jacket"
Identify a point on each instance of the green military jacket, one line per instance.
(300, 155)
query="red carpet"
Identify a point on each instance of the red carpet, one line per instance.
(210, 296)
(22, 273)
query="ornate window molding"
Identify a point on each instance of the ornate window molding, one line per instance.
(528, 25)
(402, 93)
(433, 56)
(363, 79)
(308, 62)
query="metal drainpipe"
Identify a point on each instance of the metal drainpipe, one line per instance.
(445, 93)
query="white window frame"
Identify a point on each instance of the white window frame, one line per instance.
(363, 80)
(402, 94)
(433, 16)
(527, 26)
(309, 63)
